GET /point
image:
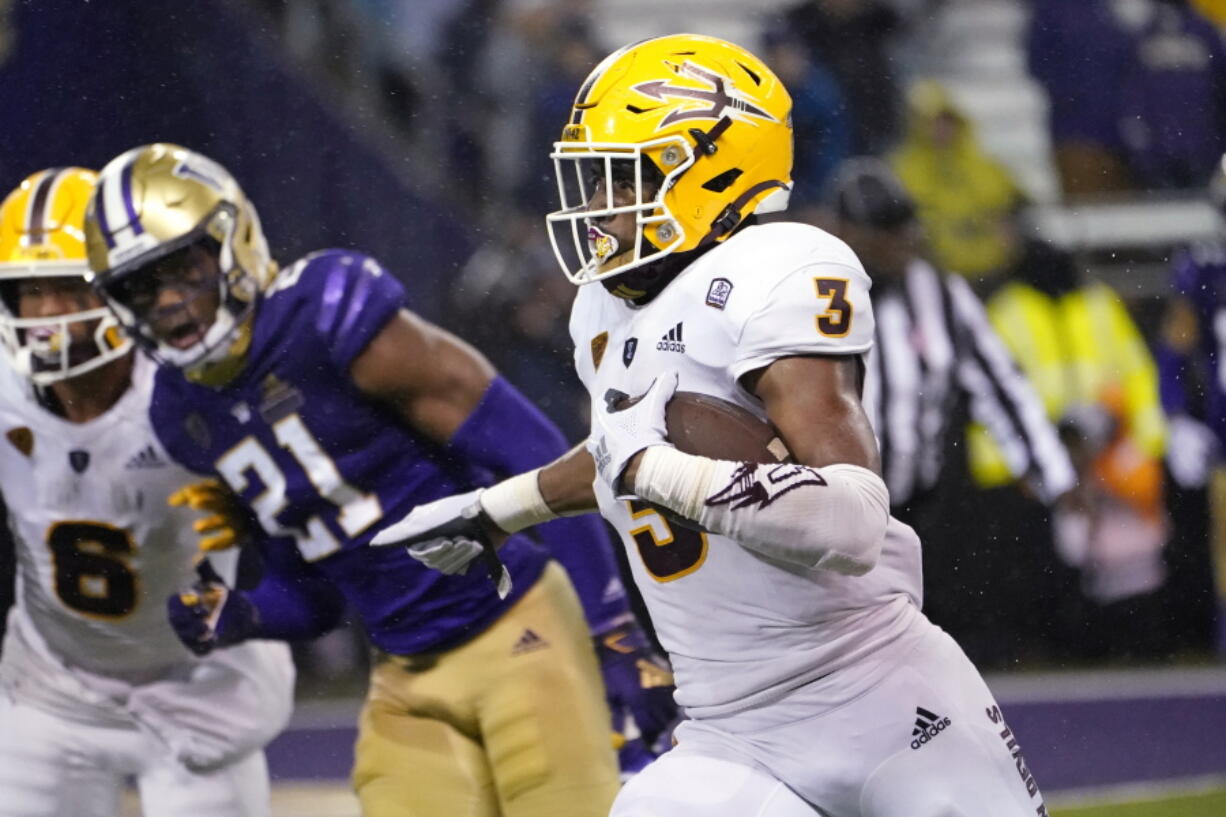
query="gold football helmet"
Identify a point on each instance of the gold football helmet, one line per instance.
(42, 236)
(157, 200)
(701, 120)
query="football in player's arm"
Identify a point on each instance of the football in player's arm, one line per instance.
(789, 600)
(95, 688)
(328, 408)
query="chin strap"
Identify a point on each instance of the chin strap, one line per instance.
(706, 139)
(728, 220)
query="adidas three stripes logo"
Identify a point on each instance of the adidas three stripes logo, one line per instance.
(927, 726)
(672, 340)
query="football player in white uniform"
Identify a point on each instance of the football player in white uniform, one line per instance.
(786, 595)
(95, 687)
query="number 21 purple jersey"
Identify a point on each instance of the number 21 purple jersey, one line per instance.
(321, 463)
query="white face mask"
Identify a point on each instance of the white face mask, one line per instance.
(584, 250)
(42, 349)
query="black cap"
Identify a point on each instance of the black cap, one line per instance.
(865, 191)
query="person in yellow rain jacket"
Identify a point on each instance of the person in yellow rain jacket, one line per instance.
(1084, 355)
(965, 197)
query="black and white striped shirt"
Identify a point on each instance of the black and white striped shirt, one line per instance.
(934, 347)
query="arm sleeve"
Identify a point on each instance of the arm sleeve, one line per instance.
(356, 301)
(293, 600)
(1002, 399)
(818, 309)
(831, 518)
(508, 435)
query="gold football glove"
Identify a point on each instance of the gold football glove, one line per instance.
(226, 525)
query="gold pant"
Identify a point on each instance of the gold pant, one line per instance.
(511, 724)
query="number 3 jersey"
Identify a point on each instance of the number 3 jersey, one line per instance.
(323, 466)
(739, 628)
(98, 548)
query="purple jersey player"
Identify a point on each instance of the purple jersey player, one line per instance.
(1192, 366)
(1191, 361)
(1192, 352)
(327, 408)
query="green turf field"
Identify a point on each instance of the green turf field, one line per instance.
(1204, 804)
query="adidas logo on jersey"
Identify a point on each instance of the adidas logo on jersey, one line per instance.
(927, 727)
(672, 342)
(529, 642)
(613, 591)
(145, 458)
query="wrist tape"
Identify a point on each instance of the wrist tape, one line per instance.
(516, 503)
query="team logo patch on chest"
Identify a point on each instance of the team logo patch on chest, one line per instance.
(197, 429)
(79, 460)
(632, 346)
(22, 439)
(718, 293)
(278, 399)
(599, 344)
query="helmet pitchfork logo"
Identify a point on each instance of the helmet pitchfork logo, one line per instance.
(721, 100)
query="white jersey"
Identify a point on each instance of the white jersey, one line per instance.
(98, 553)
(98, 548)
(742, 629)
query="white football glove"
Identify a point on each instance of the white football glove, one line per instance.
(447, 535)
(620, 433)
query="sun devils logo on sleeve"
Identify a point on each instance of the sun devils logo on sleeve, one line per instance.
(599, 344)
(22, 439)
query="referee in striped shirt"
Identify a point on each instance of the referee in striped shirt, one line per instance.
(991, 575)
(936, 359)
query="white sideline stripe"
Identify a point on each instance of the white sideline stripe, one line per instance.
(1108, 685)
(1135, 792)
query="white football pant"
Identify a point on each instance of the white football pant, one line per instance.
(923, 739)
(54, 767)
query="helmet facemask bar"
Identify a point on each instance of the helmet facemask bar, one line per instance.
(585, 255)
(42, 348)
(236, 291)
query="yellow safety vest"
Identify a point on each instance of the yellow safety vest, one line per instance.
(1075, 349)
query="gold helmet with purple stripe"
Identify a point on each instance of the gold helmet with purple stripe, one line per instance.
(42, 245)
(154, 205)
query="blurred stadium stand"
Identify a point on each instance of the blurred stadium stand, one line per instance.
(973, 47)
(81, 82)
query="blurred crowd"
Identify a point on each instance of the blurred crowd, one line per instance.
(1116, 565)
